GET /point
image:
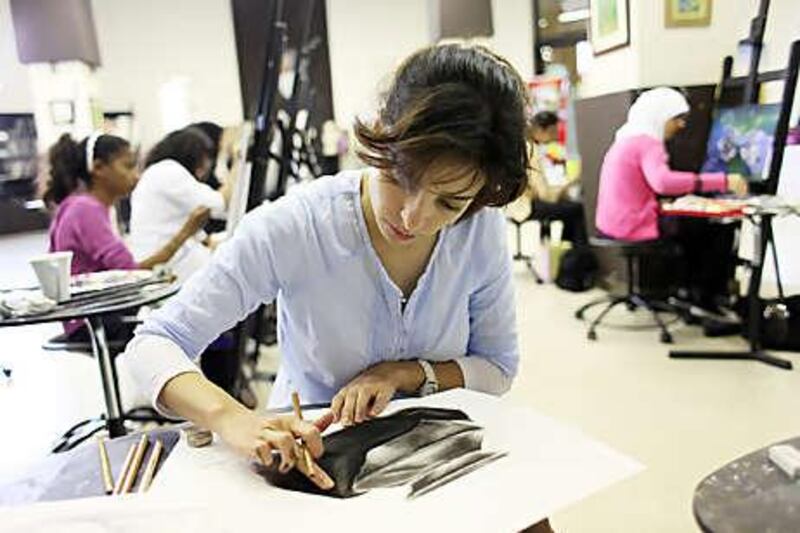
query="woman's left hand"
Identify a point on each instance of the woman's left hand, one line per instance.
(368, 394)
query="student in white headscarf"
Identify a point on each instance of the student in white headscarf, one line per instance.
(636, 171)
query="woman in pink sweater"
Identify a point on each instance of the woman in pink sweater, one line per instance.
(636, 169)
(86, 179)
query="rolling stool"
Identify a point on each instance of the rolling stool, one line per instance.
(633, 298)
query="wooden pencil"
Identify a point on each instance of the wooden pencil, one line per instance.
(133, 472)
(150, 469)
(126, 465)
(299, 414)
(105, 466)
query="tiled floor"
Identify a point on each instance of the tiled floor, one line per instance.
(682, 419)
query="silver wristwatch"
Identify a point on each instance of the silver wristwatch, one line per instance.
(431, 384)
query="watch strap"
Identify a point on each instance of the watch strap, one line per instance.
(431, 384)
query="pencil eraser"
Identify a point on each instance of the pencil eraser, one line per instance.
(787, 458)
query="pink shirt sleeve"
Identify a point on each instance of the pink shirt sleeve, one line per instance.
(663, 180)
(99, 241)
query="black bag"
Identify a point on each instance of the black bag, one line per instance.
(780, 323)
(578, 269)
(780, 317)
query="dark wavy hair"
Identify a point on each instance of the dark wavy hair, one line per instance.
(69, 168)
(452, 100)
(189, 147)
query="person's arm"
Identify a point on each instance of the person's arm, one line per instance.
(248, 433)
(537, 183)
(192, 193)
(563, 190)
(196, 220)
(243, 273)
(492, 353)
(668, 182)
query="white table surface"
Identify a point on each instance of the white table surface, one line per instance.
(549, 466)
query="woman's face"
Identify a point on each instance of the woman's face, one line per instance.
(119, 175)
(403, 216)
(674, 126)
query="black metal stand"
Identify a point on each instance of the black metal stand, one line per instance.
(113, 420)
(519, 256)
(763, 239)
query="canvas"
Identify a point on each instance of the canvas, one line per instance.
(741, 140)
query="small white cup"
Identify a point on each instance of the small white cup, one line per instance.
(53, 271)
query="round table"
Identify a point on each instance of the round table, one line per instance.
(749, 494)
(92, 310)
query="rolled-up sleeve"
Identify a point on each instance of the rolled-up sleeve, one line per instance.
(241, 275)
(492, 357)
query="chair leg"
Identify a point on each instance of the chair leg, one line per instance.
(666, 336)
(532, 268)
(592, 334)
(604, 300)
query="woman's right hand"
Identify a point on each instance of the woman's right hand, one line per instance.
(257, 437)
(737, 184)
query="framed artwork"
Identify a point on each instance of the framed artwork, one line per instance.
(609, 25)
(683, 13)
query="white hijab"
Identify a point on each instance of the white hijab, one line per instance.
(650, 112)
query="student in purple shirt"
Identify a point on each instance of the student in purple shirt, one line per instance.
(86, 179)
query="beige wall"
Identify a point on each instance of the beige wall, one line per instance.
(366, 41)
(15, 87)
(618, 69)
(513, 33)
(369, 38)
(783, 27)
(690, 56)
(142, 45)
(687, 56)
(145, 43)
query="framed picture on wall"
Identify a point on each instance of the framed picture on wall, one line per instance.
(609, 25)
(682, 13)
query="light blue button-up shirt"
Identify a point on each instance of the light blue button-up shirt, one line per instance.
(338, 310)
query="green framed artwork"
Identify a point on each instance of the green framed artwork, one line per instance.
(609, 25)
(683, 13)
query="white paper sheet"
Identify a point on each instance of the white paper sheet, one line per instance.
(549, 467)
